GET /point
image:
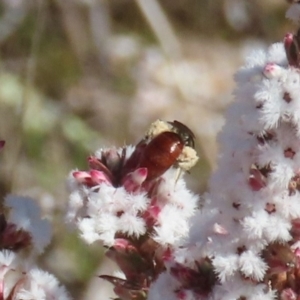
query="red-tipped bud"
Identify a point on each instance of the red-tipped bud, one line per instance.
(124, 246)
(168, 255)
(272, 70)
(288, 294)
(256, 179)
(80, 176)
(151, 215)
(295, 231)
(96, 164)
(91, 178)
(133, 181)
(98, 177)
(291, 49)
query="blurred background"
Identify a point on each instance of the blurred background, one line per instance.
(78, 75)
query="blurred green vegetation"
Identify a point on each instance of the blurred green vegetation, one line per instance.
(77, 75)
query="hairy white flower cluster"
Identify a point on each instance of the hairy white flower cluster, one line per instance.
(247, 230)
(293, 12)
(102, 211)
(17, 282)
(23, 234)
(135, 201)
(24, 214)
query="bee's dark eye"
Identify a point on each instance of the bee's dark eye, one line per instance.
(184, 132)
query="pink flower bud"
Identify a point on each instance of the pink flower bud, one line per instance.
(96, 164)
(256, 179)
(125, 246)
(151, 215)
(80, 175)
(168, 255)
(133, 181)
(295, 231)
(98, 177)
(272, 70)
(292, 49)
(91, 178)
(288, 294)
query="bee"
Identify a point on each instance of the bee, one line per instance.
(174, 145)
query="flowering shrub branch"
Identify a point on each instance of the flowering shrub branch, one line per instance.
(135, 201)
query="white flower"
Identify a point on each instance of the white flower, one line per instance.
(293, 12)
(25, 214)
(237, 288)
(226, 266)
(131, 224)
(159, 291)
(251, 265)
(8, 261)
(171, 226)
(40, 285)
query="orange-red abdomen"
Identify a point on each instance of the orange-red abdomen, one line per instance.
(161, 153)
